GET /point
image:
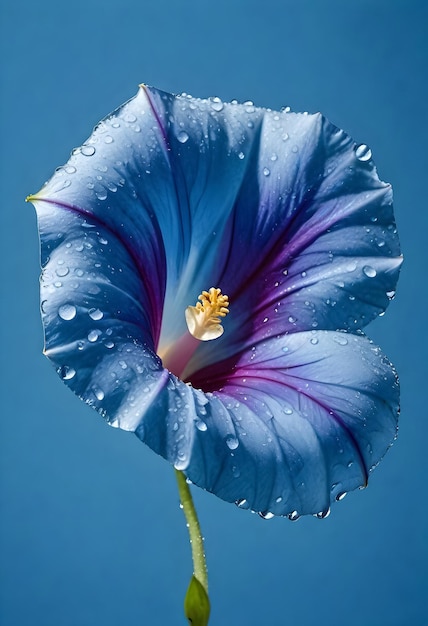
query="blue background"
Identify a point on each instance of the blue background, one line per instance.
(91, 531)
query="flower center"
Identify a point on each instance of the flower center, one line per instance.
(204, 324)
(203, 320)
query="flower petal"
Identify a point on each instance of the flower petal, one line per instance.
(313, 413)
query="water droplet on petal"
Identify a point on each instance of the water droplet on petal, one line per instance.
(130, 117)
(67, 311)
(340, 339)
(293, 516)
(66, 372)
(241, 155)
(242, 503)
(341, 495)
(363, 152)
(95, 314)
(216, 104)
(200, 425)
(93, 335)
(266, 515)
(390, 294)
(323, 514)
(62, 271)
(87, 150)
(99, 393)
(232, 442)
(266, 171)
(108, 139)
(369, 271)
(182, 136)
(101, 195)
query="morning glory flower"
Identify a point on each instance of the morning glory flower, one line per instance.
(208, 269)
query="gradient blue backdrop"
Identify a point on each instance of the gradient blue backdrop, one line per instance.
(91, 531)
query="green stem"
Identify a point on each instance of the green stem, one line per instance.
(196, 539)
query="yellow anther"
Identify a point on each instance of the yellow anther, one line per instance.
(203, 320)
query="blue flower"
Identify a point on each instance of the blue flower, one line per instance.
(270, 396)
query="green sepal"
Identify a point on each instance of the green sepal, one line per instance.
(196, 604)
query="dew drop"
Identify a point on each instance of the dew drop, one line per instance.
(108, 139)
(181, 462)
(67, 312)
(95, 314)
(341, 495)
(93, 335)
(99, 393)
(369, 271)
(182, 136)
(130, 117)
(217, 104)
(101, 195)
(293, 516)
(323, 514)
(266, 514)
(292, 319)
(242, 503)
(314, 341)
(70, 169)
(109, 345)
(266, 171)
(278, 500)
(232, 442)
(200, 425)
(241, 155)
(340, 339)
(62, 271)
(87, 150)
(390, 294)
(363, 152)
(66, 372)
